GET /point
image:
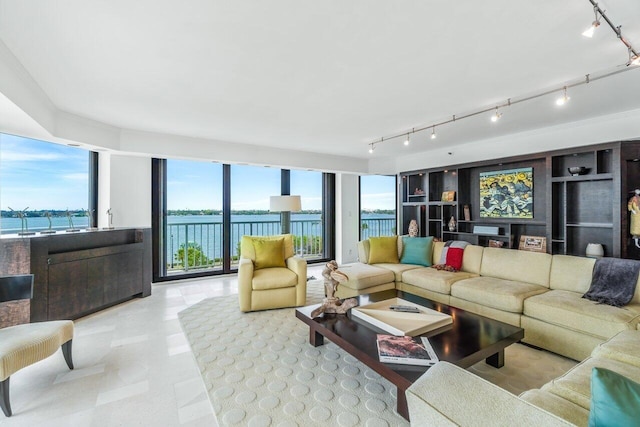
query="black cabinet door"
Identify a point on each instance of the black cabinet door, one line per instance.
(68, 290)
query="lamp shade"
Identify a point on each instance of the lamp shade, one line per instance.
(285, 204)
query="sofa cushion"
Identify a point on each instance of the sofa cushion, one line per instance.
(434, 280)
(575, 385)
(383, 249)
(516, 265)
(624, 347)
(506, 295)
(269, 253)
(273, 278)
(247, 250)
(571, 273)
(363, 276)
(398, 269)
(417, 250)
(557, 405)
(471, 260)
(615, 400)
(569, 310)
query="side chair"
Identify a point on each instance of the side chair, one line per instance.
(25, 344)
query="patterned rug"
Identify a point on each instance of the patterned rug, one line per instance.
(259, 370)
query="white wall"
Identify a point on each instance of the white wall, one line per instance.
(125, 187)
(347, 213)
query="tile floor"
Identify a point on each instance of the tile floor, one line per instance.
(133, 367)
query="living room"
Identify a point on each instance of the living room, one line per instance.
(347, 90)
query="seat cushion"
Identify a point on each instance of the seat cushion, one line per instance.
(398, 269)
(273, 278)
(434, 280)
(363, 276)
(569, 310)
(624, 347)
(563, 408)
(575, 385)
(506, 295)
(23, 345)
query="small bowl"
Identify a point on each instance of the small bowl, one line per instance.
(577, 170)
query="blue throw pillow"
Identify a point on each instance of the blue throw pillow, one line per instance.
(417, 250)
(615, 400)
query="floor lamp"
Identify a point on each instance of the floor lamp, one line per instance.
(285, 205)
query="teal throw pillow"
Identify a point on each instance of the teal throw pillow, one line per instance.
(615, 400)
(417, 250)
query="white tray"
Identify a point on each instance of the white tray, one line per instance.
(401, 323)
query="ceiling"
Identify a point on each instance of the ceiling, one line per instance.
(322, 76)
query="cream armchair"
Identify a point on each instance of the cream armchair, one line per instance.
(269, 275)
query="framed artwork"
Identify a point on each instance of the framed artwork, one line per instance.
(507, 194)
(448, 196)
(533, 243)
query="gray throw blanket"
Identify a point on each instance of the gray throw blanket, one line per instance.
(614, 281)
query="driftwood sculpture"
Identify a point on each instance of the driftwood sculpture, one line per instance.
(331, 304)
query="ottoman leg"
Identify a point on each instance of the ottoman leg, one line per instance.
(4, 397)
(66, 352)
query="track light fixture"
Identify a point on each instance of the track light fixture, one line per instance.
(407, 141)
(371, 148)
(496, 116)
(595, 24)
(433, 132)
(564, 98)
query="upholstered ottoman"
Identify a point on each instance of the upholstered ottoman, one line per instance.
(364, 279)
(24, 345)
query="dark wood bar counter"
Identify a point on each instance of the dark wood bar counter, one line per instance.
(80, 273)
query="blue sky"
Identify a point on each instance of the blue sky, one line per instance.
(42, 175)
(377, 192)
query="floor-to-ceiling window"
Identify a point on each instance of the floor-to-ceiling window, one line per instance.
(307, 225)
(45, 187)
(377, 206)
(194, 215)
(202, 209)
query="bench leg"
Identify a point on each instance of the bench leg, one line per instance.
(66, 352)
(4, 397)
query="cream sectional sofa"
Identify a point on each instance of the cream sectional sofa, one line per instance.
(539, 292)
(435, 398)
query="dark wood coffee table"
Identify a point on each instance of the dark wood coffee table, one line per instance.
(470, 339)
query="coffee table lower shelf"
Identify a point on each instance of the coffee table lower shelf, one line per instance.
(468, 341)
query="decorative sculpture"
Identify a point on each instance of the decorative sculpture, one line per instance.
(452, 224)
(24, 227)
(413, 228)
(110, 218)
(332, 304)
(49, 230)
(71, 228)
(89, 214)
(634, 224)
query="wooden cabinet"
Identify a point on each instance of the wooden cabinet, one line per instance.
(77, 274)
(569, 210)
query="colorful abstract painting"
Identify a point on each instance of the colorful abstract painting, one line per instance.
(507, 193)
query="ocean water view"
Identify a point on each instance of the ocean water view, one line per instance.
(203, 233)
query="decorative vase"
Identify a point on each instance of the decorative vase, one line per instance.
(594, 250)
(452, 224)
(413, 228)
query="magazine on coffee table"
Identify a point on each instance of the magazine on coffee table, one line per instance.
(406, 350)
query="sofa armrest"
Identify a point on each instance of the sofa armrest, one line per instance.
(447, 395)
(245, 277)
(299, 266)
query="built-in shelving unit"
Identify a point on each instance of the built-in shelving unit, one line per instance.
(569, 210)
